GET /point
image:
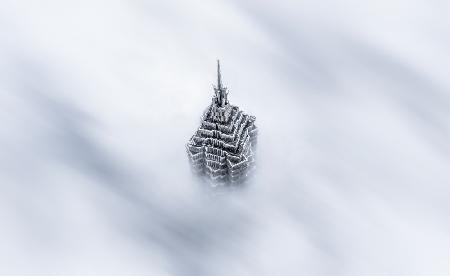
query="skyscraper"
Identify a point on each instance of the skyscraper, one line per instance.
(222, 149)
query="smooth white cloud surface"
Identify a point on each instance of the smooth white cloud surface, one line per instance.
(98, 98)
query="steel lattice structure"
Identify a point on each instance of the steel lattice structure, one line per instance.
(222, 149)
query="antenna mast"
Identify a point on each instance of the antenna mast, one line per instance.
(221, 92)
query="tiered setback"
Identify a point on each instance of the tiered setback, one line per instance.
(223, 147)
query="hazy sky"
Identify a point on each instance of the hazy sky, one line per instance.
(98, 99)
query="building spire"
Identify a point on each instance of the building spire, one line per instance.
(219, 76)
(221, 92)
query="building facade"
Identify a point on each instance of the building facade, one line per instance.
(223, 148)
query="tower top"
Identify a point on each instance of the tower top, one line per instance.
(221, 92)
(219, 76)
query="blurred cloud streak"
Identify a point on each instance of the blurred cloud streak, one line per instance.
(98, 99)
